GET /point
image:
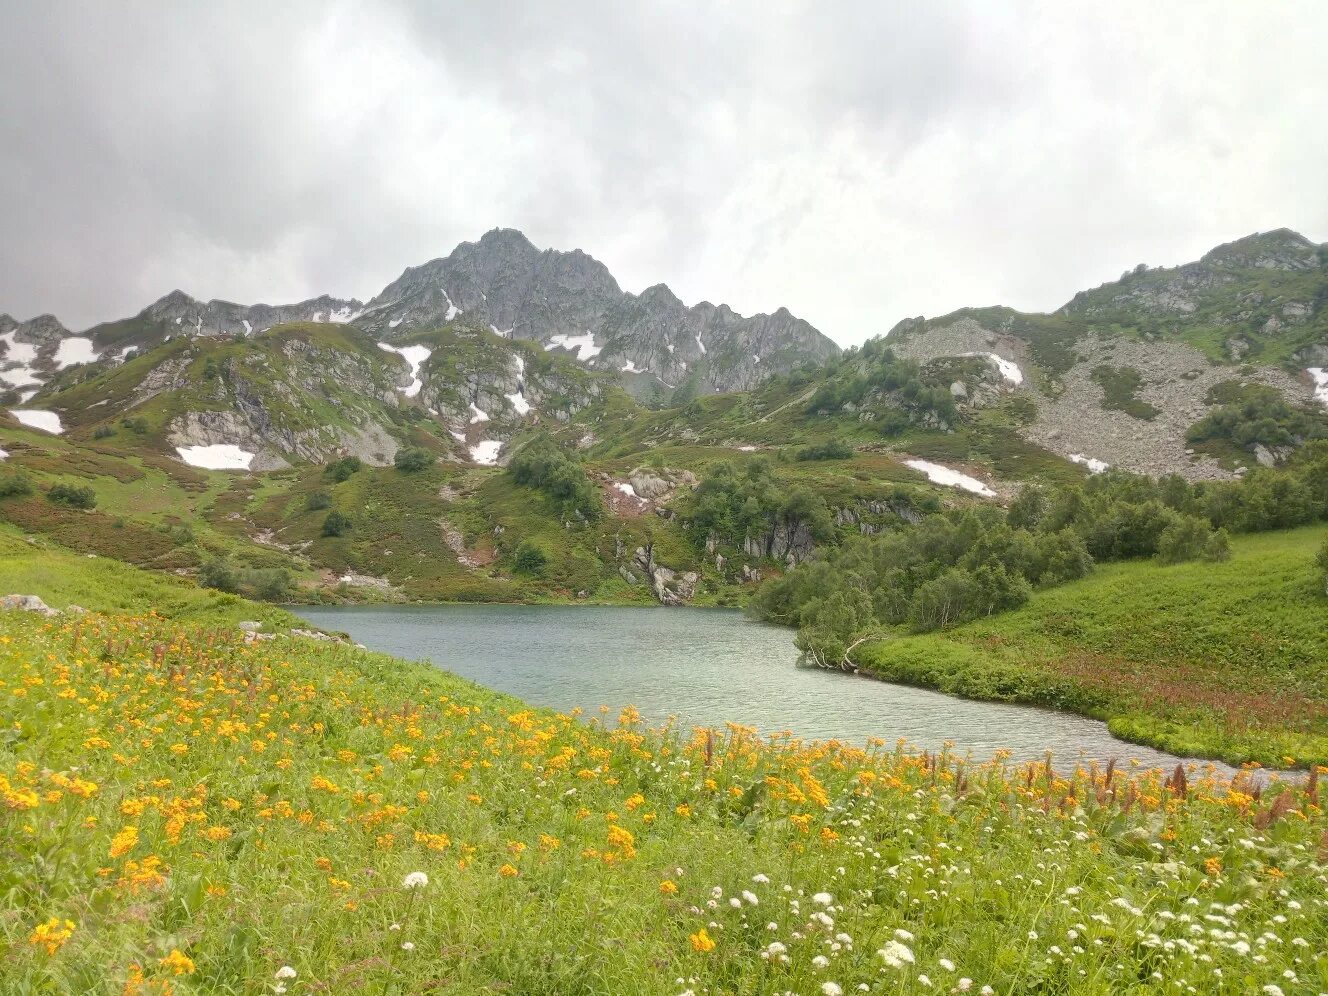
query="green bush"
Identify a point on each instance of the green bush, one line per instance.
(15, 484)
(73, 495)
(103, 432)
(343, 469)
(543, 464)
(529, 559)
(317, 501)
(832, 450)
(219, 573)
(137, 425)
(268, 584)
(336, 524)
(412, 459)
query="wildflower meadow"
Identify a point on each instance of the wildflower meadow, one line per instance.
(182, 811)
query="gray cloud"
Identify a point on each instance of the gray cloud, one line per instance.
(857, 163)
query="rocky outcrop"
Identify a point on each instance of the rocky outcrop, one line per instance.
(669, 587)
(790, 541)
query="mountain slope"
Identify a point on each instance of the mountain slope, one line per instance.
(566, 301)
(1122, 372)
(570, 301)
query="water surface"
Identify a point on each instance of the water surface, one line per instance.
(706, 667)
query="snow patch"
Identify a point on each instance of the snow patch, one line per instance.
(630, 368)
(938, 474)
(452, 309)
(26, 396)
(35, 418)
(520, 365)
(747, 449)
(23, 354)
(1319, 376)
(627, 489)
(1094, 466)
(218, 456)
(248, 329)
(1008, 368)
(395, 322)
(75, 349)
(755, 358)
(479, 416)
(4, 454)
(583, 345)
(486, 452)
(700, 345)
(518, 402)
(342, 315)
(415, 356)
(318, 316)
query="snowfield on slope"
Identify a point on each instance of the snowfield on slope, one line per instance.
(218, 456)
(35, 418)
(938, 474)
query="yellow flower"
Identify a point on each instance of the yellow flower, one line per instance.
(668, 887)
(701, 941)
(508, 871)
(52, 934)
(179, 750)
(684, 811)
(178, 962)
(123, 842)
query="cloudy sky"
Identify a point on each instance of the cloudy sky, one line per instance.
(856, 162)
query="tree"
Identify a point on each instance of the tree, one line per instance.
(413, 459)
(336, 524)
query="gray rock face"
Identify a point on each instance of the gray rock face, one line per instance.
(570, 301)
(179, 314)
(669, 587)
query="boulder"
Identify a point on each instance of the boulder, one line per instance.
(27, 603)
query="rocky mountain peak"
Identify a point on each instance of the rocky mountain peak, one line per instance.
(1280, 249)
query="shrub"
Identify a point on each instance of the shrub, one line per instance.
(1218, 546)
(336, 524)
(317, 501)
(137, 425)
(269, 584)
(833, 450)
(219, 573)
(529, 558)
(103, 432)
(343, 469)
(543, 464)
(1185, 539)
(413, 459)
(14, 485)
(73, 495)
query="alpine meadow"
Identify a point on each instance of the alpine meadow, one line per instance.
(518, 623)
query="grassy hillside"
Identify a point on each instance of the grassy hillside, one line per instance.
(1226, 660)
(183, 812)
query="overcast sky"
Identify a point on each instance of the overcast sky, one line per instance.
(857, 163)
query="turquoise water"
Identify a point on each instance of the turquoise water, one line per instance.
(705, 667)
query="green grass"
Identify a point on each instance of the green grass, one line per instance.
(62, 577)
(1224, 660)
(180, 808)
